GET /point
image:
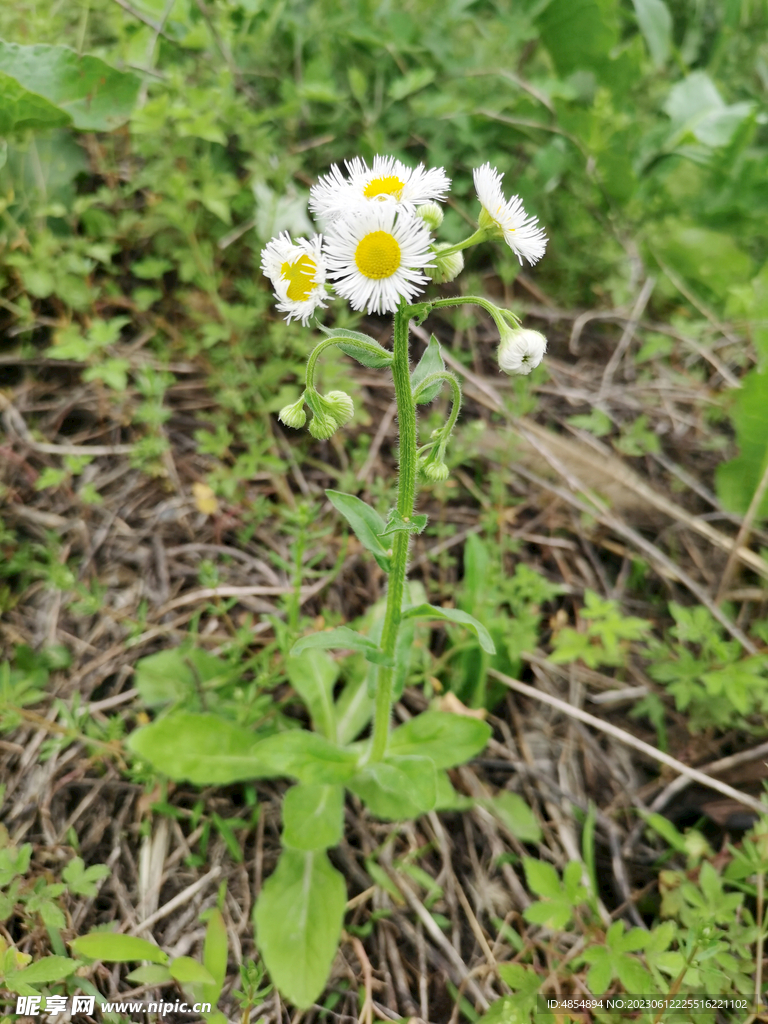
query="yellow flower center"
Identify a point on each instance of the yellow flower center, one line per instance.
(377, 255)
(389, 186)
(301, 275)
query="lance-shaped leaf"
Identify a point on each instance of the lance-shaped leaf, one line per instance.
(430, 362)
(313, 817)
(117, 948)
(399, 524)
(446, 739)
(431, 611)
(365, 521)
(362, 348)
(342, 638)
(298, 920)
(398, 787)
(313, 677)
(88, 93)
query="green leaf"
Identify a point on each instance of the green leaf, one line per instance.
(187, 971)
(579, 33)
(367, 351)
(215, 951)
(21, 109)
(513, 812)
(45, 971)
(430, 362)
(117, 948)
(201, 748)
(738, 479)
(313, 675)
(94, 96)
(313, 817)
(542, 878)
(341, 637)
(365, 521)
(655, 23)
(298, 920)
(178, 675)
(448, 740)
(397, 788)
(306, 756)
(150, 974)
(431, 611)
(399, 524)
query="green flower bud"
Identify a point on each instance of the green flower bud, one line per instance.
(293, 415)
(445, 268)
(435, 471)
(322, 427)
(340, 406)
(431, 214)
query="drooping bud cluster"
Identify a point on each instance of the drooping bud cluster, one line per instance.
(520, 351)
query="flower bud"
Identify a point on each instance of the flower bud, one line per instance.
(322, 427)
(445, 268)
(293, 415)
(431, 214)
(340, 406)
(520, 350)
(435, 471)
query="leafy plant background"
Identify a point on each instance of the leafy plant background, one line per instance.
(138, 184)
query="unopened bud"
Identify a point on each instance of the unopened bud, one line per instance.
(322, 427)
(293, 415)
(445, 268)
(435, 471)
(340, 406)
(431, 214)
(521, 350)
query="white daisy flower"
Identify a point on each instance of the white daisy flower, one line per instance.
(387, 181)
(507, 218)
(521, 351)
(374, 258)
(297, 271)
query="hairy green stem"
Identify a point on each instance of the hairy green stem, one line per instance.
(479, 236)
(406, 495)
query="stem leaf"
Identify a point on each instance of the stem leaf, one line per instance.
(365, 521)
(430, 362)
(345, 638)
(397, 524)
(448, 740)
(398, 787)
(431, 611)
(362, 348)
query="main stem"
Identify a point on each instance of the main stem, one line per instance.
(406, 493)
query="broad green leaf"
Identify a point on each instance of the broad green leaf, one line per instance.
(178, 675)
(313, 817)
(117, 948)
(513, 812)
(431, 611)
(365, 521)
(189, 972)
(201, 748)
(21, 109)
(447, 797)
(341, 637)
(298, 920)
(399, 524)
(448, 740)
(313, 675)
(362, 348)
(45, 971)
(150, 974)
(398, 787)
(306, 756)
(655, 23)
(215, 951)
(697, 108)
(95, 96)
(430, 362)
